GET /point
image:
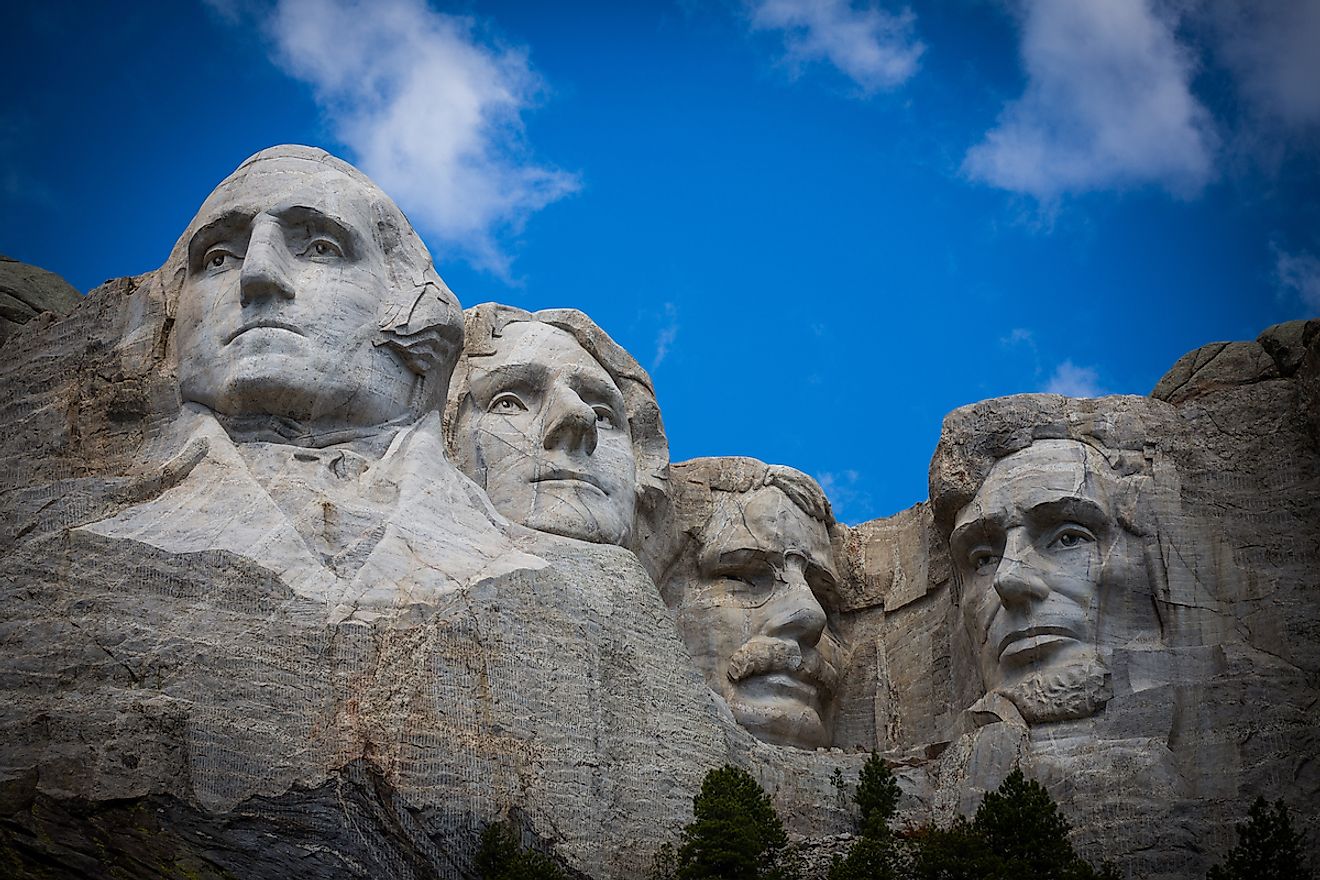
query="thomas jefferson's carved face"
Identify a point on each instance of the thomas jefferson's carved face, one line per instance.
(546, 434)
(1050, 578)
(755, 620)
(279, 311)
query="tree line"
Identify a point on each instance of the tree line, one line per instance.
(1017, 832)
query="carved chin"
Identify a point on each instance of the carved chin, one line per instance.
(782, 722)
(1062, 693)
(576, 511)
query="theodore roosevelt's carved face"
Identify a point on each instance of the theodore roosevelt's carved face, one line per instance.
(546, 434)
(1050, 578)
(754, 618)
(279, 313)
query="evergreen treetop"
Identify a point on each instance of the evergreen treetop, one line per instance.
(735, 833)
(876, 797)
(1267, 849)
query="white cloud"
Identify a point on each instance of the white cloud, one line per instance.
(1273, 48)
(1299, 274)
(665, 338)
(1107, 104)
(1071, 380)
(429, 111)
(874, 48)
(1018, 336)
(845, 493)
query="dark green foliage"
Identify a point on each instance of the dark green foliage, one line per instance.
(958, 852)
(870, 859)
(735, 833)
(1022, 825)
(1018, 832)
(1267, 849)
(501, 857)
(876, 797)
(876, 855)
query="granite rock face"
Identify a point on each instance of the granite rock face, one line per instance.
(279, 598)
(27, 291)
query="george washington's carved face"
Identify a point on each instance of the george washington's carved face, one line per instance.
(280, 308)
(545, 432)
(1050, 578)
(754, 617)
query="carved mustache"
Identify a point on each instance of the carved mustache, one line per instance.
(762, 656)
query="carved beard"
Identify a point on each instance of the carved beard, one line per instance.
(1077, 690)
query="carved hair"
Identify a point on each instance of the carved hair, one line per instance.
(696, 480)
(420, 320)
(696, 486)
(1121, 430)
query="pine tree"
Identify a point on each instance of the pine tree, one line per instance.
(876, 797)
(875, 856)
(735, 833)
(1267, 849)
(958, 852)
(1022, 825)
(501, 857)
(1018, 832)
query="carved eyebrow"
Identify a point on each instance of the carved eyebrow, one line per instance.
(305, 215)
(826, 569)
(227, 224)
(1071, 507)
(710, 559)
(599, 388)
(508, 374)
(980, 529)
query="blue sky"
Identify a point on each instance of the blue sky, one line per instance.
(821, 225)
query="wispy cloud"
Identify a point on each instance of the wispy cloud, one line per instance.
(666, 336)
(1299, 274)
(429, 109)
(1071, 380)
(1271, 48)
(875, 49)
(1018, 336)
(1107, 103)
(844, 489)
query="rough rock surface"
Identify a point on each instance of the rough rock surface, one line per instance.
(238, 643)
(27, 291)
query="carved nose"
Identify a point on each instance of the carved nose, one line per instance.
(796, 613)
(570, 423)
(1017, 579)
(266, 269)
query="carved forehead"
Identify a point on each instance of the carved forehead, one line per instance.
(282, 181)
(764, 519)
(548, 349)
(1044, 472)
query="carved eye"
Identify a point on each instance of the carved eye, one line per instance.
(983, 560)
(605, 417)
(507, 404)
(1072, 536)
(324, 249)
(739, 581)
(216, 258)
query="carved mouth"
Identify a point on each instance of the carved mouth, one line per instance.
(560, 475)
(1034, 641)
(264, 325)
(788, 683)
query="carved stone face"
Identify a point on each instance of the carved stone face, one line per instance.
(279, 313)
(547, 436)
(1050, 578)
(755, 621)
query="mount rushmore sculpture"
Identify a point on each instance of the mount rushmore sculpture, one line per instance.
(308, 571)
